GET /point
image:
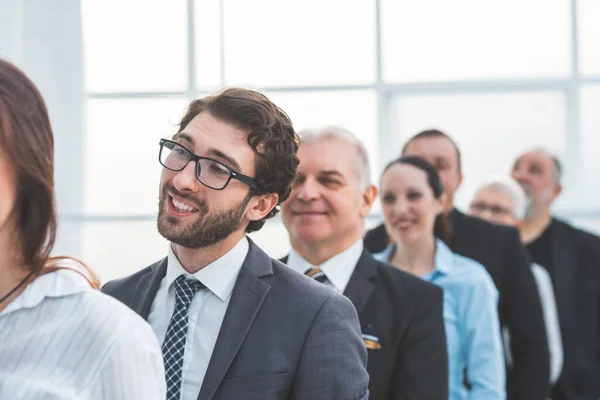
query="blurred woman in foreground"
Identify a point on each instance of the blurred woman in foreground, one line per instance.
(60, 338)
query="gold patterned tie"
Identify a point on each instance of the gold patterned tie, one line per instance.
(316, 274)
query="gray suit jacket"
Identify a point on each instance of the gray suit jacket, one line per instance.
(284, 336)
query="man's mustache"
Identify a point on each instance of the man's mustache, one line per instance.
(200, 204)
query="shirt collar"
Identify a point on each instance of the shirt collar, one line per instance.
(338, 269)
(442, 262)
(219, 276)
(444, 258)
(54, 284)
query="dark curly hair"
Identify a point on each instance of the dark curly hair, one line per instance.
(270, 133)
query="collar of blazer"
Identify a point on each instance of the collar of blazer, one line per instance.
(565, 261)
(257, 263)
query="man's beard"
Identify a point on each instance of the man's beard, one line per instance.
(530, 210)
(206, 230)
(536, 205)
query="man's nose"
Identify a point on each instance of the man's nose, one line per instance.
(307, 190)
(186, 179)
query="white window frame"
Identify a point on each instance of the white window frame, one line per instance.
(570, 86)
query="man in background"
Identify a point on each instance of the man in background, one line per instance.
(400, 314)
(572, 258)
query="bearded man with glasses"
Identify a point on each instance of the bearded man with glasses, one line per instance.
(234, 323)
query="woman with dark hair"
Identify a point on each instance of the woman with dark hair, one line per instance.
(412, 199)
(60, 338)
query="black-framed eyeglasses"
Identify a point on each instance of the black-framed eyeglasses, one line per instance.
(497, 211)
(211, 173)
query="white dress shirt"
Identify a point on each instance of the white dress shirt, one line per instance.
(338, 269)
(61, 339)
(551, 323)
(205, 314)
(548, 300)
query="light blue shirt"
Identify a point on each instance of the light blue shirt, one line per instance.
(473, 336)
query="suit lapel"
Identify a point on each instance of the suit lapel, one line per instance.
(362, 281)
(146, 289)
(247, 297)
(564, 263)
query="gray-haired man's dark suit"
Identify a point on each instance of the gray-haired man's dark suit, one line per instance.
(284, 336)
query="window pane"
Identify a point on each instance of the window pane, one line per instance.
(475, 39)
(490, 129)
(108, 248)
(353, 110)
(300, 43)
(590, 143)
(135, 45)
(589, 36)
(121, 160)
(208, 44)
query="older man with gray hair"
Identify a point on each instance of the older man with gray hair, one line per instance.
(501, 200)
(572, 258)
(400, 314)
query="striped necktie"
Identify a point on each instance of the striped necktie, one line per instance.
(173, 347)
(316, 274)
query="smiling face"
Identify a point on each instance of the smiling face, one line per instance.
(408, 204)
(193, 215)
(327, 205)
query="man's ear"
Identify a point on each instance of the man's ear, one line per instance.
(558, 190)
(368, 198)
(443, 200)
(460, 179)
(260, 206)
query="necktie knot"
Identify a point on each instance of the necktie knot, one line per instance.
(316, 274)
(185, 289)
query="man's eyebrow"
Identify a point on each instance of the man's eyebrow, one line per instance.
(219, 154)
(332, 172)
(212, 152)
(184, 136)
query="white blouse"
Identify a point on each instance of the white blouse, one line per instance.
(61, 339)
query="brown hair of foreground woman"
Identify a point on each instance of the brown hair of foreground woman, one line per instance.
(27, 206)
